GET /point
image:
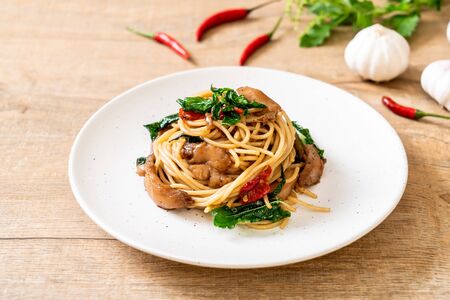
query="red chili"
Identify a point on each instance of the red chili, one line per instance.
(408, 112)
(226, 16)
(258, 43)
(165, 39)
(190, 115)
(257, 187)
(238, 110)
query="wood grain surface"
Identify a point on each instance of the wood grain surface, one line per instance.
(62, 60)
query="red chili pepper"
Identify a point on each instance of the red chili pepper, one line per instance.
(190, 115)
(238, 110)
(165, 39)
(257, 43)
(226, 16)
(408, 112)
(257, 187)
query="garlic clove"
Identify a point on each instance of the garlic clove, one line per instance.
(435, 81)
(377, 53)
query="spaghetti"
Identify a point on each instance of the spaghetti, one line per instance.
(238, 156)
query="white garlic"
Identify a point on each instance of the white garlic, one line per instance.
(435, 81)
(377, 53)
(448, 32)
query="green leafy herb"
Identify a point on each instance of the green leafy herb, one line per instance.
(226, 217)
(155, 127)
(316, 33)
(305, 137)
(197, 104)
(401, 15)
(277, 190)
(231, 119)
(225, 100)
(404, 24)
(141, 161)
(221, 105)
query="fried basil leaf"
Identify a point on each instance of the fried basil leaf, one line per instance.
(226, 217)
(155, 127)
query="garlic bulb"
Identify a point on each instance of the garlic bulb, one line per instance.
(435, 81)
(377, 53)
(448, 32)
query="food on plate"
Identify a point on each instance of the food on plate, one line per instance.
(234, 154)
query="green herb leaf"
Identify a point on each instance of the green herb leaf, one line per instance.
(225, 217)
(364, 14)
(141, 161)
(316, 33)
(155, 127)
(197, 104)
(404, 24)
(305, 137)
(231, 119)
(277, 190)
(229, 97)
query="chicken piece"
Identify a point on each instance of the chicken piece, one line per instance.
(213, 156)
(218, 179)
(313, 169)
(187, 151)
(199, 172)
(162, 194)
(272, 108)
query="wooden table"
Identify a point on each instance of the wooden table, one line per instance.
(61, 60)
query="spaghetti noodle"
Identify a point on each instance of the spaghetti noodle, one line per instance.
(232, 155)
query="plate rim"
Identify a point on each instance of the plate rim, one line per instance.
(162, 254)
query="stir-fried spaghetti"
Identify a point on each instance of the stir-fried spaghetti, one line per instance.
(245, 170)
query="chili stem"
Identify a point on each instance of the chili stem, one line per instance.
(422, 114)
(261, 5)
(143, 34)
(275, 27)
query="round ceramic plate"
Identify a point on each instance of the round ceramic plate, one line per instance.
(365, 174)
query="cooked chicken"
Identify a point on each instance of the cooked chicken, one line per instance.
(272, 108)
(313, 169)
(208, 162)
(162, 194)
(219, 179)
(188, 150)
(213, 156)
(200, 172)
(287, 188)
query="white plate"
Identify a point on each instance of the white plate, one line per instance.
(364, 177)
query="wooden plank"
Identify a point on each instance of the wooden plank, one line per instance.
(62, 60)
(51, 268)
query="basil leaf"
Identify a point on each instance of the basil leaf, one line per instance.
(231, 119)
(225, 217)
(216, 111)
(305, 137)
(197, 104)
(277, 190)
(155, 127)
(141, 161)
(230, 97)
